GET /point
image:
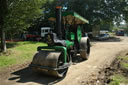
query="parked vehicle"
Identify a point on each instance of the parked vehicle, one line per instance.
(45, 30)
(32, 36)
(103, 36)
(120, 33)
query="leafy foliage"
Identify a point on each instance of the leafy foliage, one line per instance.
(17, 15)
(21, 14)
(96, 11)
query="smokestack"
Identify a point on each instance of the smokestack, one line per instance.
(58, 22)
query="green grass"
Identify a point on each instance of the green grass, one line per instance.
(18, 53)
(120, 77)
(124, 62)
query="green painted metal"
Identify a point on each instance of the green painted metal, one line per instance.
(56, 48)
(71, 36)
(79, 34)
(69, 43)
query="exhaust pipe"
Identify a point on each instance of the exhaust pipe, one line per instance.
(58, 22)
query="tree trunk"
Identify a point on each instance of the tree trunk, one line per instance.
(2, 35)
(3, 13)
(3, 42)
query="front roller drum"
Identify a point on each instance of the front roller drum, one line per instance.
(49, 63)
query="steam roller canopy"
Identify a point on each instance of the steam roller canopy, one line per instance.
(48, 62)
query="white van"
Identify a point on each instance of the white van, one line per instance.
(45, 30)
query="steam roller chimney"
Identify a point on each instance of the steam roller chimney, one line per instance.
(58, 22)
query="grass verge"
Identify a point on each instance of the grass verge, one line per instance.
(18, 53)
(121, 77)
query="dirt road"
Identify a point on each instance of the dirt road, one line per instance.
(81, 73)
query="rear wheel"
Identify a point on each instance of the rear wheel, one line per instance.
(84, 48)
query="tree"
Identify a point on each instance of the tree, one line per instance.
(3, 10)
(22, 15)
(18, 15)
(96, 11)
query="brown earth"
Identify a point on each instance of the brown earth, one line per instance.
(81, 73)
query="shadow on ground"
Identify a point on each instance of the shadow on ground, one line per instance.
(77, 59)
(11, 45)
(26, 75)
(111, 39)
